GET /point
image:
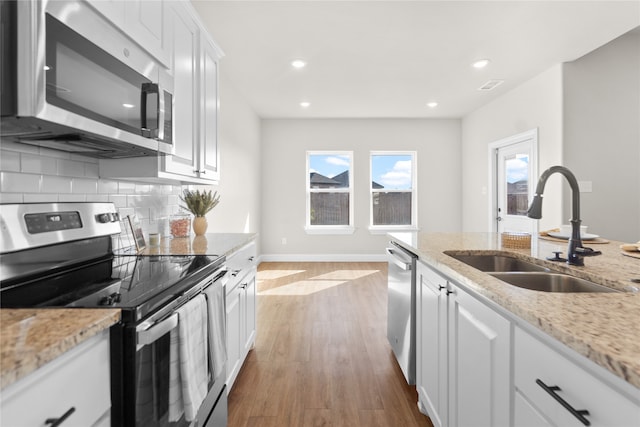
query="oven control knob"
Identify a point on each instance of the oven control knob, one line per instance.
(108, 300)
(103, 218)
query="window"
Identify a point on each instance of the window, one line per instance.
(393, 190)
(329, 192)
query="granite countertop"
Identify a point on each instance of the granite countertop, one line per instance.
(604, 327)
(208, 244)
(30, 338)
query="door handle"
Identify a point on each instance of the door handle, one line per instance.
(150, 335)
(578, 413)
(55, 422)
(406, 266)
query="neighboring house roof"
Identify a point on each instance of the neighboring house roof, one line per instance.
(340, 181)
(318, 180)
(342, 178)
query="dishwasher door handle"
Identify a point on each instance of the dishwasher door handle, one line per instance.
(396, 260)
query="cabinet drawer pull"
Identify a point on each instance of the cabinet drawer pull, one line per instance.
(55, 422)
(578, 413)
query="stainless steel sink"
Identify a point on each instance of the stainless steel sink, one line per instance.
(497, 263)
(550, 282)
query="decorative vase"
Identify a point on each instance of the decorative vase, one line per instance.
(200, 225)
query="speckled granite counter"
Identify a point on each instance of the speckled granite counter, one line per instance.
(208, 244)
(604, 327)
(32, 337)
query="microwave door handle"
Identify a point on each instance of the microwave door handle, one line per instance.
(147, 89)
(161, 115)
(152, 334)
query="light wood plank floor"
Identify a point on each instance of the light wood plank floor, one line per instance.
(321, 356)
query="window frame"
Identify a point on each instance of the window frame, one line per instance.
(382, 229)
(329, 229)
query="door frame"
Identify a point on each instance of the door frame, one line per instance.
(530, 135)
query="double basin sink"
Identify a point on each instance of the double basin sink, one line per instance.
(527, 275)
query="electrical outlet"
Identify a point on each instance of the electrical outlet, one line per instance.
(284, 240)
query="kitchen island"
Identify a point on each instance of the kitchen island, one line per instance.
(603, 327)
(492, 353)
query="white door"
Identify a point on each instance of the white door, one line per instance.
(514, 172)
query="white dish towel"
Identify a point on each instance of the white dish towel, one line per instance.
(217, 328)
(189, 360)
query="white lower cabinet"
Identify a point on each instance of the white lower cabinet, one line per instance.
(463, 356)
(558, 391)
(431, 345)
(76, 383)
(241, 309)
(478, 365)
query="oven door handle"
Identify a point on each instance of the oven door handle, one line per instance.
(153, 333)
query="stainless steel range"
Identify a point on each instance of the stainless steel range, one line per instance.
(62, 255)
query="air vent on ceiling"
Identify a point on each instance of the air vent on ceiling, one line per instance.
(491, 84)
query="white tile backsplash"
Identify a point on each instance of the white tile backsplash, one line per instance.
(107, 186)
(55, 184)
(52, 176)
(14, 182)
(11, 198)
(91, 170)
(33, 163)
(126, 187)
(70, 167)
(84, 185)
(10, 161)
(39, 198)
(72, 197)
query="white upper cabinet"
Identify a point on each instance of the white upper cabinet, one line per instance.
(184, 65)
(192, 60)
(210, 154)
(143, 21)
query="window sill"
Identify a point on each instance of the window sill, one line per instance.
(390, 229)
(329, 229)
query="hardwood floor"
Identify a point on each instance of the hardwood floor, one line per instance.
(321, 356)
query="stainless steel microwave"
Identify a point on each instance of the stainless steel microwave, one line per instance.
(72, 81)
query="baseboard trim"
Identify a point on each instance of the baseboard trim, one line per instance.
(322, 258)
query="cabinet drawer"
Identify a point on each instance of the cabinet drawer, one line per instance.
(240, 263)
(79, 378)
(535, 360)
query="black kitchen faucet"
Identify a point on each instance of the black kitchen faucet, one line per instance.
(575, 251)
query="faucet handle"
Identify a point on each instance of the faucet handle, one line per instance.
(587, 251)
(558, 256)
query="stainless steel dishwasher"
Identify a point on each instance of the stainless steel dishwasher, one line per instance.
(401, 308)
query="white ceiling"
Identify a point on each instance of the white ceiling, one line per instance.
(389, 58)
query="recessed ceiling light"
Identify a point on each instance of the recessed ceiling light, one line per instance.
(432, 104)
(128, 105)
(481, 63)
(305, 104)
(298, 63)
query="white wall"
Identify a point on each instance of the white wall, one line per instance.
(284, 146)
(602, 135)
(536, 103)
